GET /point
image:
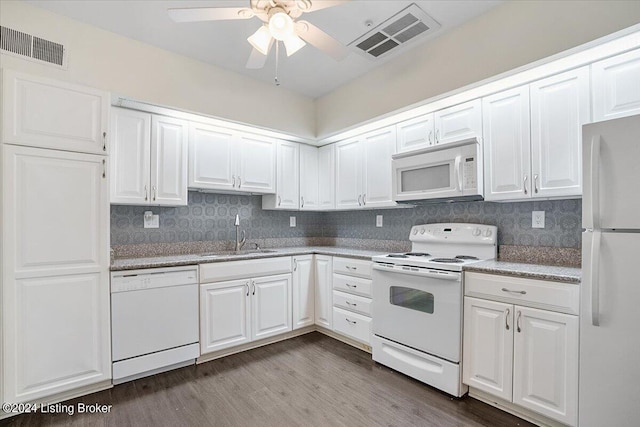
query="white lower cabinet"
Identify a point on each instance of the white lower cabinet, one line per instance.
(523, 355)
(352, 298)
(323, 275)
(303, 291)
(270, 306)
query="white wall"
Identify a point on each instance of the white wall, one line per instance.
(509, 36)
(105, 60)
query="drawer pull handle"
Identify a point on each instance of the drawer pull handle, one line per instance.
(351, 304)
(351, 268)
(514, 292)
(351, 286)
(518, 321)
(506, 319)
(352, 322)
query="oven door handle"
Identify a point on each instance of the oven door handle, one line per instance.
(422, 272)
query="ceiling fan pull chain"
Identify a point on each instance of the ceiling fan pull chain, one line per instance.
(277, 56)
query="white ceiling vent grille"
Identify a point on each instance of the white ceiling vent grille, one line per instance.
(392, 35)
(31, 47)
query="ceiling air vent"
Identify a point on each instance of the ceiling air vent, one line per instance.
(31, 47)
(392, 35)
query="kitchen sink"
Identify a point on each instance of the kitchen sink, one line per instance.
(232, 253)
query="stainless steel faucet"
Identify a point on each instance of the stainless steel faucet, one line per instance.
(239, 242)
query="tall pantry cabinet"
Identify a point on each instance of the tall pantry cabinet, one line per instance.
(55, 240)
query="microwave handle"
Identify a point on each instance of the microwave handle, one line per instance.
(458, 171)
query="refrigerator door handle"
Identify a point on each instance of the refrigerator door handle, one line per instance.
(595, 278)
(592, 217)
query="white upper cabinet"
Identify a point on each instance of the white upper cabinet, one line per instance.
(309, 178)
(257, 164)
(459, 122)
(415, 134)
(47, 113)
(507, 144)
(131, 156)
(168, 161)
(559, 107)
(287, 178)
(377, 149)
(616, 86)
(349, 174)
(149, 159)
(327, 177)
(212, 157)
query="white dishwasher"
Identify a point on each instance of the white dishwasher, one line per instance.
(154, 321)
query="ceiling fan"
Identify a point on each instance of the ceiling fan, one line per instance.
(280, 23)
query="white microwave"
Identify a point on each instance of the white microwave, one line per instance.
(439, 173)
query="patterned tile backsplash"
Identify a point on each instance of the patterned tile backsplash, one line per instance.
(211, 217)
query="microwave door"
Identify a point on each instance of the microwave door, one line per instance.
(432, 175)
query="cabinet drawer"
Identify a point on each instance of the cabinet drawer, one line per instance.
(352, 267)
(350, 302)
(352, 285)
(353, 325)
(221, 271)
(555, 296)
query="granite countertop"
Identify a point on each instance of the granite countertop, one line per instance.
(530, 271)
(119, 264)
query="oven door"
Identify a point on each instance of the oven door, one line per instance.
(419, 307)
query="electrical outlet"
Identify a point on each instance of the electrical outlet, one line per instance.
(378, 220)
(151, 220)
(537, 219)
(292, 221)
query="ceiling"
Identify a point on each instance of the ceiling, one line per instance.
(224, 43)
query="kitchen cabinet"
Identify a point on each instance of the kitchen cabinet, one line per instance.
(55, 287)
(149, 161)
(445, 126)
(323, 272)
(327, 177)
(363, 170)
(226, 160)
(303, 291)
(615, 90)
(244, 301)
(521, 343)
(40, 112)
(532, 138)
(287, 192)
(352, 283)
(309, 178)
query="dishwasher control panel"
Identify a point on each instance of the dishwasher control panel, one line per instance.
(135, 280)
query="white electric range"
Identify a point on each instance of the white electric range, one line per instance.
(417, 301)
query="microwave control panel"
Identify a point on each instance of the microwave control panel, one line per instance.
(470, 173)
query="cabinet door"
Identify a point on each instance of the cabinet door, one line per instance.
(130, 156)
(349, 174)
(55, 283)
(545, 363)
(168, 161)
(257, 164)
(309, 177)
(378, 147)
(487, 355)
(323, 274)
(271, 306)
(288, 175)
(212, 158)
(224, 315)
(415, 134)
(52, 114)
(507, 159)
(459, 122)
(327, 177)
(303, 291)
(559, 108)
(616, 91)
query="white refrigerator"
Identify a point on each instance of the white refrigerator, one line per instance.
(610, 290)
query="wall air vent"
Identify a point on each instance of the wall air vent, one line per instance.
(26, 46)
(392, 35)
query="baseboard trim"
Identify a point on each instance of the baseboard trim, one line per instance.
(357, 344)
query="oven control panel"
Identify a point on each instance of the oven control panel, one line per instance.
(454, 232)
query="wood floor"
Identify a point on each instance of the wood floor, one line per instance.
(312, 380)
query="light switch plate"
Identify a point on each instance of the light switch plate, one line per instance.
(292, 221)
(378, 220)
(151, 220)
(537, 219)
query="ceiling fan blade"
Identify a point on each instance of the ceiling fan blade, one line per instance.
(257, 59)
(321, 40)
(321, 4)
(195, 14)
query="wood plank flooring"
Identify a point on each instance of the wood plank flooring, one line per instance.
(312, 380)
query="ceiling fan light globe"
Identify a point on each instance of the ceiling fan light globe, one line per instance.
(293, 44)
(280, 26)
(261, 40)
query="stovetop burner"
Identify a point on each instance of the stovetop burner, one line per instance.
(447, 260)
(397, 256)
(475, 258)
(417, 254)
